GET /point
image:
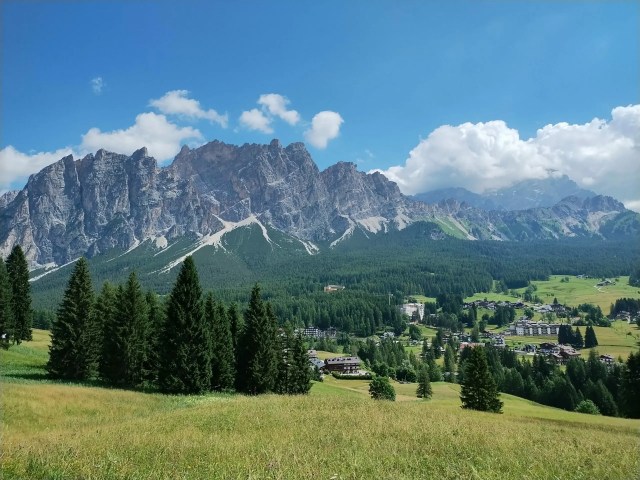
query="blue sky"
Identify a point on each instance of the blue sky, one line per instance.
(391, 75)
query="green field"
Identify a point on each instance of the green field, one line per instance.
(583, 290)
(58, 431)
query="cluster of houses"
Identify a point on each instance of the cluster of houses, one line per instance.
(491, 305)
(627, 317)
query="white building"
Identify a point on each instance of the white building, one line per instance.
(410, 308)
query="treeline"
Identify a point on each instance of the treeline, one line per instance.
(629, 305)
(614, 390)
(15, 299)
(188, 344)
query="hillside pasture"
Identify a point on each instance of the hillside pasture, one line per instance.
(584, 290)
(58, 431)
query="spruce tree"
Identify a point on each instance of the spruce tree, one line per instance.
(577, 339)
(284, 382)
(236, 325)
(133, 317)
(630, 387)
(590, 339)
(185, 358)
(479, 390)
(424, 384)
(18, 271)
(113, 361)
(301, 375)
(450, 364)
(156, 323)
(222, 355)
(259, 348)
(6, 312)
(69, 352)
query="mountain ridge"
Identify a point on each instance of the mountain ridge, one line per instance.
(108, 200)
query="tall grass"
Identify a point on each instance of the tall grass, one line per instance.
(58, 431)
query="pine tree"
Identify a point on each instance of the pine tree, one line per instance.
(577, 339)
(381, 389)
(18, 271)
(113, 361)
(133, 317)
(185, 358)
(236, 325)
(590, 339)
(258, 349)
(630, 388)
(69, 352)
(6, 312)
(424, 384)
(223, 369)
(479, 390)
(284, 382)
(110, 352)
(301, 375)
(156, 324)
(449, 364)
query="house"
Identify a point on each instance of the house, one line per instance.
(608, 360)
(333, 288)
(529, 348)
(342, 364)
(547, 348)
(464, 345)
(315, 332)
(316, 362)
(312, 353)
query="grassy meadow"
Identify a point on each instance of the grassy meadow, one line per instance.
(55, 430)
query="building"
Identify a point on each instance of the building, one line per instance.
(524, 327)
(608, 360)
(410, 308)
(333, 288)
(342, 364)
(315, 332)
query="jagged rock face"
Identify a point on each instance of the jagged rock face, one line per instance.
(88, 206)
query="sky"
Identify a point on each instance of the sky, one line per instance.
(472, 94)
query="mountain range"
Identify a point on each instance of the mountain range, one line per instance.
(107, 200)
(520, 196)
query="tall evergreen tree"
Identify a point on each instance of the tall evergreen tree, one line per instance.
(577, 339)
(133, 316)
(236, 325)
(479, 390)
(69, 352)
(630, 387)
(156, 323)
(6, 311)
(223, 369)
(590, 339)
(18, 271)
(450, 364)
(301, 375)
(258, 349)
(111, 363)
(185, 362)
(424, 389)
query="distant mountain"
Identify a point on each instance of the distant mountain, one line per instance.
(521, 196)
(108, 201)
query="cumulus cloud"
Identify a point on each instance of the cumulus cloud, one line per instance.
(325, 126)
(272, 106)
(162, 138)
(176, 102)
(15, 165)
(97, 85)
(254, 119)
(603, 155)
(276, 105)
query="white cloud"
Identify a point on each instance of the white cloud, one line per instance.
(161, 137)
(276, 105)
(601, 155)
(325, 126)
(254, 119)
(97, 85)
(176, 102)
(17, 166)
